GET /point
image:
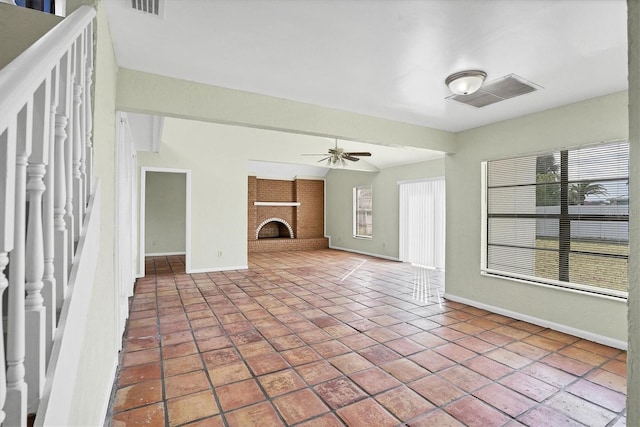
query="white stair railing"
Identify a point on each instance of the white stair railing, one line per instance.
(45, 186)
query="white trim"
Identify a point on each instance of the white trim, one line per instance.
(273, 219)
(276, 203)
(362, 252)
(216, 269)
(187, 243)
(105, 403)
(309, 177)
(411, 181)
(165, 253)
(601, 339)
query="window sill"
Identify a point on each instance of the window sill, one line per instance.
(572, 288)
(363, 237)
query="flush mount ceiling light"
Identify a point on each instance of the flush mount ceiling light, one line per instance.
(465, 82)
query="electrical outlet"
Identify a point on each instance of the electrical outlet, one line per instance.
(219, 254)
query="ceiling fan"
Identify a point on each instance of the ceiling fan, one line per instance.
(337, 155)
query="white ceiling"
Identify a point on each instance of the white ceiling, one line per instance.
(383, 58)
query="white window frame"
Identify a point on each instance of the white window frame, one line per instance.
(356, 210)
(544, 282)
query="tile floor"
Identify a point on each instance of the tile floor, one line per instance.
(327, 338)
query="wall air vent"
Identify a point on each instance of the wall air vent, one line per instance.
(506, 87)
(151, 7)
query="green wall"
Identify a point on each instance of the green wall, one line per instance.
(598, 119)
(165, 217)
(384, 184)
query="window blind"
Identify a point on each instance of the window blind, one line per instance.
(561, 217)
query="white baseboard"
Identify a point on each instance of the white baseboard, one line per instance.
(105, 403)
(601, 339)
(165, 254)
(363, 253)
(214, 269)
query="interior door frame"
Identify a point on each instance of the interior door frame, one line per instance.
(142, 210)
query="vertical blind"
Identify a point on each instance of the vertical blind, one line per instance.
(561, 217)
(422, 222)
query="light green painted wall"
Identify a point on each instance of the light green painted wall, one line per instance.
(339, 200)
(633, 356)
(99, 353)
(598, 119)
(140, 92)
(20, 28)
(218, 168)
(165, 216)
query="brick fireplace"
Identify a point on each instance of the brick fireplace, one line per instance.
(285, 215)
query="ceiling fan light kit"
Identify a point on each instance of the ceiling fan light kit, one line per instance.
(465, 82)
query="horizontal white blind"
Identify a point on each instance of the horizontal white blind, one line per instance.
(561, 216)
(422, 222)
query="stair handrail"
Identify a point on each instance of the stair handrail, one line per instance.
(21, 77)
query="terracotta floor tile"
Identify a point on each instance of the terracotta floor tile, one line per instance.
(473, 412)
(151, 415)
(437, 390)
(598, 394)
(179, 350)
(266, 364)
(180, 385)
(182, 365)
(487, 367)
(255, 349)
(534, 388)
(366, 413)
(509, 358)
(339, 392)
(455, 352)
(236, 395)
(229, 373)
(504, 399)
(140, 357)
(350, 362)
(609, 380)
(549, 374)
(317, 372)
(286, 342)
(435, 418)
(328, 420)
(268, 336)
(431, 360)
(330, 348)
(300, 356)
(215, 358)
(475, 344)
(580, 410)
(300, 406)
(281, 382)
(405, 370)
(374, 380)
(545, 416)
(379, 354)
(404, 403)
(191, 407)
(139, 373)
(139, 394)
(567, 364)
(464, 378)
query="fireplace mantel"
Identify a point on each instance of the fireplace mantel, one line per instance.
(276, 203)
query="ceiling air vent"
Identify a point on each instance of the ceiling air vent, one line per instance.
(498, 90)
(151, 7)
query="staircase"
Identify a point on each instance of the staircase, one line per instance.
(49, 219)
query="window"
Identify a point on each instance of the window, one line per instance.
(362, 212)
(560, 218)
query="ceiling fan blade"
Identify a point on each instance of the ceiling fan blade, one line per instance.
(322, 160)
(348, 157)
(358, 153)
